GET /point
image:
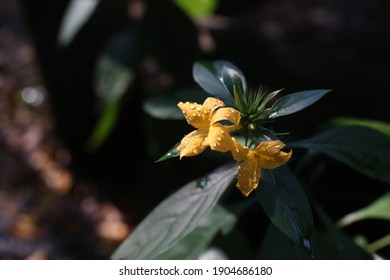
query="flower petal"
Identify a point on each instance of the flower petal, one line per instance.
(192, 143)
(226, 113)
(199, 115)
(193, 112)
(219, 139)
(249, 174)
(270, 154)
(239, 152)
(211, 103)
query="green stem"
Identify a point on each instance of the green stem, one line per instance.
(379, 244)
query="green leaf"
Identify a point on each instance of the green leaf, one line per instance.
(76, 15)
(219, 65)
(333, 243)
(285, 203)
(295, 102)
(380, 126)
(379, 209)
(267, 99)
(176, 217)
(104, 125)
(277, 246)
(379, 244)
(171, 153)
(208, 75)
(112, 79)
(364, 149)
(197, 9)
(195, 243)
(165, 107)
(232, 80)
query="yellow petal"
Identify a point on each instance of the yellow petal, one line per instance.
(219, 139)
(239, 152)
(192, 143)
(275, 161)
(249, 174)
(197, 115)
(226, 113)
(194, 114)
(269, 147)
(211, 103)
(270, 154)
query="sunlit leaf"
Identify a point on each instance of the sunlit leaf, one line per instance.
(285, 203)
(295, 102)
(197, 9)
(379, 209)
(176, 216)
(195, 243)
(76, 15)
(364, 149)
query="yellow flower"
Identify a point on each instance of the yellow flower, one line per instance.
(266, 155)
(210, 132)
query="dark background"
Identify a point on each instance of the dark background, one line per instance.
(94, 199)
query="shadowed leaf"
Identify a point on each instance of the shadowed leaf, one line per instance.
(285, 203)
(362, 148)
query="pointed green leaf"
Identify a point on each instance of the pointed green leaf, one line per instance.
(267, 99)
(197, 9)
(364, 149)
(295, 102)
(285, 203)
(175, 217)
(171, 153)
(195, 243)
(379, 209)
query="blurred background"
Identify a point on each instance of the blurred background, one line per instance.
(78, 148)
